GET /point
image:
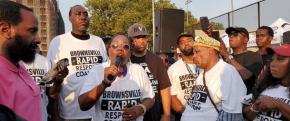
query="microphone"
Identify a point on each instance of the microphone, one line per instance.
(118, 61)
(52, 73)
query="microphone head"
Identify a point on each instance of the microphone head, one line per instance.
(118, 60)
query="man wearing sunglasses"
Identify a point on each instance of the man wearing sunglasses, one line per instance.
(156, 71)
(248, 63)
(127, 96)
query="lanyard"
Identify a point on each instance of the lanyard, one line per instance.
(189, 69)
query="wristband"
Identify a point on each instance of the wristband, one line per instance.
(230, 57)
(106, 84)
(143, 107)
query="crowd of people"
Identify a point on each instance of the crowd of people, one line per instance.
(88, 78)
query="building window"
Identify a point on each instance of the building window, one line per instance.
(43, 39)
(19, 1)
(43, 24)
(43, 46)
(42, 11)
(42, 3)
(43, 17)
(30, 2)
(43, 31)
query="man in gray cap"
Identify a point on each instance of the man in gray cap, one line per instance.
(156, 71)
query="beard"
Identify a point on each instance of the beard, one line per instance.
(187, 51)
(19, 50)
(139, 50)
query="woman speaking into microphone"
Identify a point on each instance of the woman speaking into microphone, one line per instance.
(117, 89)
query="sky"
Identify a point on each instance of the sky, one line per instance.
(198, 8)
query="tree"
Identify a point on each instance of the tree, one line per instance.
(192, 22)
(115, 16)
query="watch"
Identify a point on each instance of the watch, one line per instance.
(230, 57)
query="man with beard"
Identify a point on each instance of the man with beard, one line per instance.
(18, 42)
(83, 50)
(37, 69)
(182, 75)
(155, 70)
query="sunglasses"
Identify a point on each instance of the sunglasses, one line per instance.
(235, 34)
(125, 47)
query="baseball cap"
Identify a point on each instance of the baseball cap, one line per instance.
(137, 30)
(184, 34)
(283, 50)
(286, 37)
(231, 30)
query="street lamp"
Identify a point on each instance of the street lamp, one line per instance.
(186, 3)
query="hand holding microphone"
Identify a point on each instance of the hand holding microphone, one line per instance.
(57, 73)
(111, 72)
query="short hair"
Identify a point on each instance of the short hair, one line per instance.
(10, 12)
(70, 10)
(269, 30)
(118, 36)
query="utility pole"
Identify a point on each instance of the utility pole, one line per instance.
(232, 12)
(153, 24)
(187, 3)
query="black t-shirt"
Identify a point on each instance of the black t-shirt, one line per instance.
(159, 79)
(266, 58)
(254, 63)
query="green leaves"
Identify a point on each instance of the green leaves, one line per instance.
(115, 16)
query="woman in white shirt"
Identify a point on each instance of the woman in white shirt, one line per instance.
(272, 95)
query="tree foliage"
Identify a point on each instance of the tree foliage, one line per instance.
(115, 16)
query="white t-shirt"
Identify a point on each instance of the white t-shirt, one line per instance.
(181, 79)
(37, 70)
(281, 93)
(131, 89)
(82, 55)
(226, 88)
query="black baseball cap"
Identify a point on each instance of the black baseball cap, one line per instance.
(184, 34)
(231, 30)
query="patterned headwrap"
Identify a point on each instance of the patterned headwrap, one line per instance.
(207, 41)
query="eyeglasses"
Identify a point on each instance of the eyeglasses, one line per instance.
(125, 47)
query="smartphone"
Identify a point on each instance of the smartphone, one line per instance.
(216, 35)
(204, 22)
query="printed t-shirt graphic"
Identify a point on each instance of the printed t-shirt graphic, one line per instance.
(280, 93)
(82, 55)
